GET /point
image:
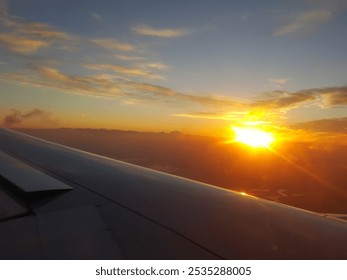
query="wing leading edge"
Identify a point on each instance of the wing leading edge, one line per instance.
(138, 213)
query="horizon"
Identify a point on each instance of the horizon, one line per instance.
(302, 174)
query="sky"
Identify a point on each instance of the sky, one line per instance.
(193, 66)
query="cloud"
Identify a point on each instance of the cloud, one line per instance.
(157, 65)
(338, 125)
(38, 29)
(112, 44)
(107, 87)
(52, 78)
(104, 85)
(334, 96)
(19, 44)
(16, 117)
(214, 115)
(277, 81)
(96, 16)
(86, 85)
(27, 28)
(285, 100)
(129, 58)
(305, 22)
(273, 104)
(159, 93)
(325, 97)
(3, 8)
(166, 33)
(129, 71)
(22, 36)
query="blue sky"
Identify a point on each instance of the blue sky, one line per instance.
(172, 65)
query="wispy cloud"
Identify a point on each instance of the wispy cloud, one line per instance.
(338, 125)
(3, 8)
(129, 58)
(304, 22)
(38, 29)
(213, 115)
(323, 97)
(282, 100)
(159, 93)
(157, 32)
(275, 104)
(19, 44)
(17, 117)
(22, 36)
(158, 65)
(49, 77)
(210, 106)
(129, 71)
(278, 81)
(107, 87)
(335, 96)
(113, 44)
(95, 16)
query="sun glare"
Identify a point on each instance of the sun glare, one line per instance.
(253, 137)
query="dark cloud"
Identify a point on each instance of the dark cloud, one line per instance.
(337, 125)
(327, 97)
(334, 96)
(16, 117)
(285, 100)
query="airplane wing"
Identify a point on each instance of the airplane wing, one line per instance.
(61, 203)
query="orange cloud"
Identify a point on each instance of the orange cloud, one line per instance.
(106, 87)
(39, 29)
(158, 65)
(129, 58)
(166, 33)
(19, 44)
(129, 71)
(23, 36)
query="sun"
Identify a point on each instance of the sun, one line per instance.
(253, 137)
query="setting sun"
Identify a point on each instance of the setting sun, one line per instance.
(253, 137)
